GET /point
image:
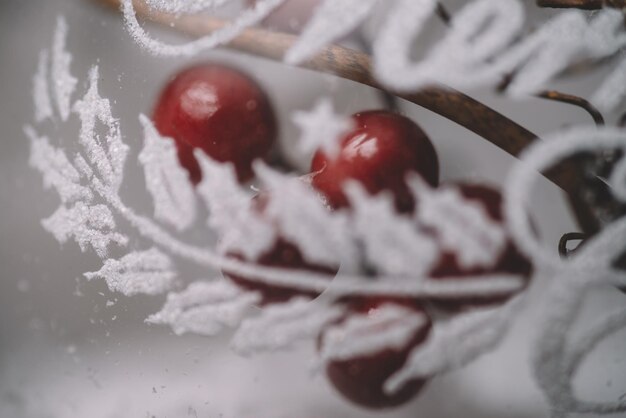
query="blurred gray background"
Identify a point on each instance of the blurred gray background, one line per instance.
(70, 348)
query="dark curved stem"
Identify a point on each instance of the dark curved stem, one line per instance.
(575, 101)
(566, 238)
(581, 4)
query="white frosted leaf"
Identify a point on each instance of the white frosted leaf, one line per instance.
(89, 226)
(41, 89)
(363, 334)
(392, 242)
(246, 19)
(281, 326)
(230, 214)
(455, 343)
(321, 235)
(147, 272)
(166, 180)
(107, 154)
(321, 128)
(205, 308)
(56, 169)
(332, 20)
(63, 82)
(463, 226)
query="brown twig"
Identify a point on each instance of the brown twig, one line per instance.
(575, 101)
(356, 66)
(581, 4)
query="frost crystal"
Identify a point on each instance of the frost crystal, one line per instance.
(108, 155)
(281, 326)
(41, 92)
(57, 170)
(149, 272)
(230, 214)
(389, 326)
(322, 236)
(463, 226)
(89, 225)
(321, 128)
(184, 6)
(167, 181)
(332, 20)
(205, 308)
(63, 81)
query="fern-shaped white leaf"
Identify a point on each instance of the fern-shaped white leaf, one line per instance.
(390, 326)
(89, 226)
(456, 343)
(57, 170)
(107, 154)
(147, 272)
(464, 227)
(166, 180)
(280, 326)
(321, 235)
(230, 214)
(41, 89)
(205, 308)
(332, 20)
(64, 82)
(392, 243)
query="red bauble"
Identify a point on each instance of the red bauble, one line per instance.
(220, 110)
(378, 153)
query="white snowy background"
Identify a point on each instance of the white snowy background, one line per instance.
(68, 347)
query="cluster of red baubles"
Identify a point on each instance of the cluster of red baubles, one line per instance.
(225, 113)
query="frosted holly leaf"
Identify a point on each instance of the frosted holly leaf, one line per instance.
(205, 308)
(166, 180)
(239, 227)
(321, 235)
(64, 83)
(321, 128)
(89, 226)
(246, 19)
(107, 154)
(281, 326)
(390, 326)
(455, 343)
(147, 272)
(57, 170)
(332, 20)
(41, 89)
(464, 227)
(392, 242)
